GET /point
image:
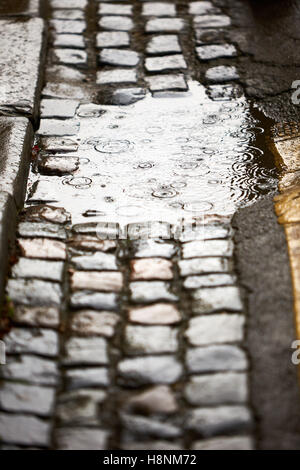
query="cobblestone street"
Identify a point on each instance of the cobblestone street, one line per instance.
(124, 334)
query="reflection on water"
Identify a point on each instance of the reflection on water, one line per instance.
(161, 159)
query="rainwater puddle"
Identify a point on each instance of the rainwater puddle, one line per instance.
(162, 159)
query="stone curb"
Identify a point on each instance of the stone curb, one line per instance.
(8, 217)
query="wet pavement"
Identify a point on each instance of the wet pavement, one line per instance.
(129, 282)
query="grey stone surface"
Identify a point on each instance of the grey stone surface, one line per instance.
(152, 445)
(68, 26)
(114, 9)
(224, 443)
(216, 358)
(119, 57)
(209, 280)
(144, 292)
(158, 399)
(150, 339)
(96, 300)
(44, 248)
(15, 143)
(95, 262)
(73, 57)
(57, 127)
(166, 82)
(31, 268)
(203, 266)
(216, 51)
(207, 248)
(86, 377)
(44, 212)
(41, 229)
(72, 41)
(30, 369)
(58, 166)
(80, 4)
(81, 439)
(90, 323)
(163, 44)
(220, 328)
(66, 14)
(71, 91)
(158, 9)
(209, 36)
(58, 108)
(79, 407)
(153, 248)
(112, 39)
(24, 430)
(32, 340)
(217, 389)
(201, 8)
(126, 96)
(91, 351)
(211, 21)
(27, 398)
(149, 370)
(34, 292)
(222, 419)
(116, 23)
(8, 216)
(213, 299)
(222, 73)
(36, 316)
(144, 426)
(164, 25)
(21, 82)
(116, 76)
(170, 62)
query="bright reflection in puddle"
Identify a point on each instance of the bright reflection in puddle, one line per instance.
(168, 158)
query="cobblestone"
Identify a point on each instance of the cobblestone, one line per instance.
(68, 26)
(203, 266)
(80, 407)
(41, 229)
(142, 426)
(37, 316)
(34, 341)
(58, 108)
(158, 25)
(81, 439)
(149, 370)
(151, 339)
(116, 76)
(87, 377)
(34, 292)
(24, 430)
(94, 300)
(91, 351)
(222, 73)
(158, 9)
(163, 44)
(116, 23)
(221, 328)
(27, 399)
(156, 400)
(119, 57)
(216, 358)
(145, 292)
(210, 280)
(208, 300)
(42, 248)
(223, 419)
(155, 268)
(90, 323)
(224, 443)
(159, 64)
(30, 369)
(30, 268)
(113, 39)
(72, 41)
(161, 313)
(95, 261)
(93, 280)
(216, 51)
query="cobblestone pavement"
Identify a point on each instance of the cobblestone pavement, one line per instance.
(133, 343)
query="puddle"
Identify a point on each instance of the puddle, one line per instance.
(162, 159)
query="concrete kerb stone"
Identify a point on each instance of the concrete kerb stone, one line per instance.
(8, 217)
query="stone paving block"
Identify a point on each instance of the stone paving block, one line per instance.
(79, 407)
(94, 300)
(116, 76)
(226, 92)
(167, 62)
(153, 248)
(112, 39)
(47, 317)
(113, 9)
(144, 426)
(27, 398)
(58, 108)
(150, 339)
(41, 229)
(222, 73)
(89, 243)
(116, 23)
(166, 82)
(222, 419)
(216, 51)
(95, 262)
(90, 323)
(220, 328)
(155, 400)
(161, 313)
(32, 341)
(30, 369)
(31, 268)
(24, 430)
(202, 8)
(207, 232)
(166, 25)
(119, 57)
(46, 213)
(80, 4)
(216, 358)
(158, 9)
(217, 389)
(213, 299)
(68, 26)
(126, 96)
(71, 41)
(209, 36)
(65, 14)
(81, 439)
(15, 142)
(152, 445)
(207, 248)
(98, 281)
(42, 248)
(209, 280)
(211, 21)
(65, 91)
(149, 370)
(91, 351)
(58, 166)
(145, 292)
(224, 443)
(34, 292)
(57, 127)
(86, 377)
(8, 216)
(203, 266)
(21, 84)
(151, 268)
(163, 44)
